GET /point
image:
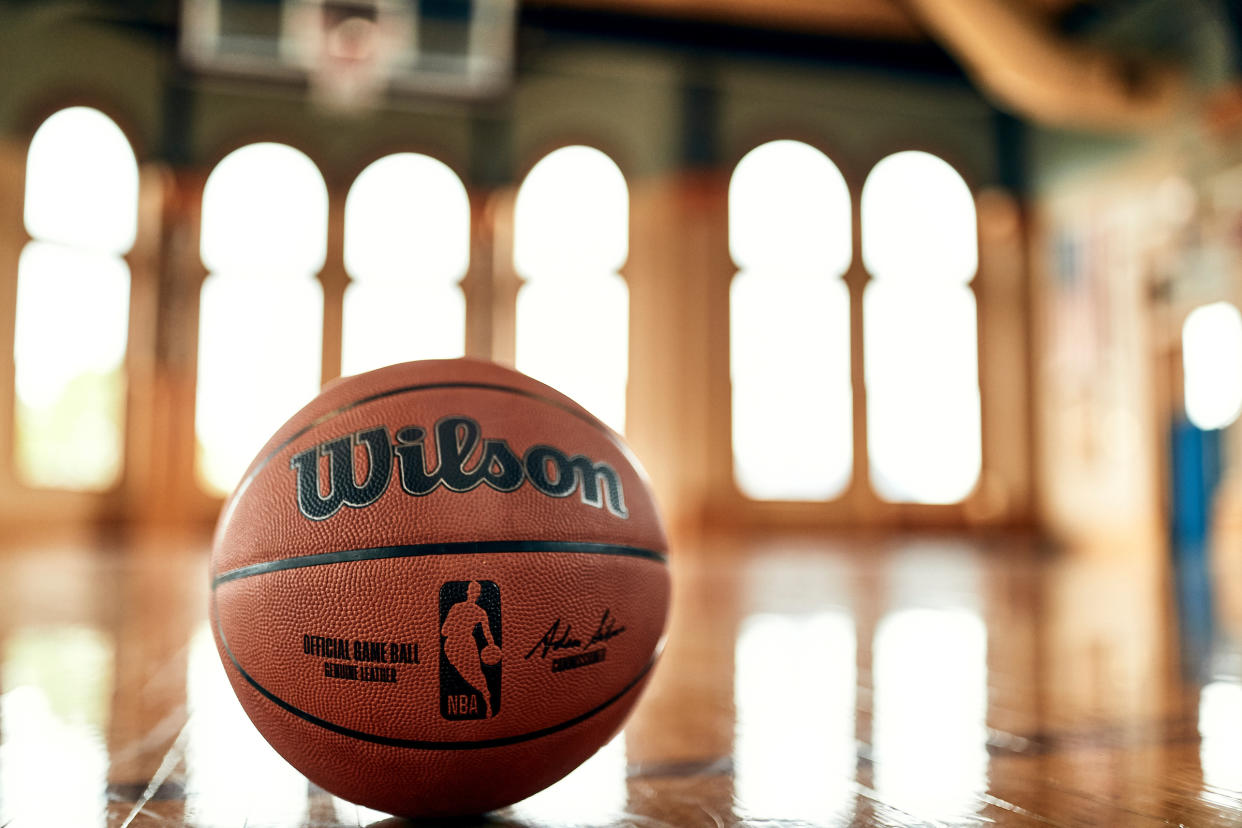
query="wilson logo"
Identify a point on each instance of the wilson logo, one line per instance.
(464, 460)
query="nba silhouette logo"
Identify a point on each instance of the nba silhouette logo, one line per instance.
(470, 650)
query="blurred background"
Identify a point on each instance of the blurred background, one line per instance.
(867, 268)
(981, 258)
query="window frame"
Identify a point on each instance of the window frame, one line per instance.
(693, 465)
(843, 278)
(24, 503)
(859, 505)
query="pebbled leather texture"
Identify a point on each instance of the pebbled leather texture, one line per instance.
(356, 641)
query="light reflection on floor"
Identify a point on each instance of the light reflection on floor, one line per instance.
(930, 742)
(794, 692)
(930, 677)
(224, 754)
(1220, 751)
(54, 721)
(805, 682)
(593, 794)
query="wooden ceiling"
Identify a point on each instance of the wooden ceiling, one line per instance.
(869, 19)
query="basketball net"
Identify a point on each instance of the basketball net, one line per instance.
(349, 50)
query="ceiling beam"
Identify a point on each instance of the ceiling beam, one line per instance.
(1015, 58)
(872, 19)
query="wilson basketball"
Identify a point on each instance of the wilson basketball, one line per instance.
(440, 587)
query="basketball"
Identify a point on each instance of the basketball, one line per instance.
(440, 587)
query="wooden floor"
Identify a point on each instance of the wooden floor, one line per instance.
(887, 680)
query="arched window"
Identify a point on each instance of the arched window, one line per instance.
(789, 317)
(264, 237)
(407, 245)
(919, 243)
(571, 237)
(1212, 365)
(81, 211)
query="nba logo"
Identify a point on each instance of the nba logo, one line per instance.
(470, 650)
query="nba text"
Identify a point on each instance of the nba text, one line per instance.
(462, 705)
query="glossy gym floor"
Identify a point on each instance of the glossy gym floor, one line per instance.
(890, 680)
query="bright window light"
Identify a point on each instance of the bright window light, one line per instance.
(571, 236)
(259, 346)
(265, 211)
(1212, 365)
(82, 183)
(69, 361)
(923, 424)
(387, 323)
(407, 216)
(407, 245)
(918, 221)
(796, 675)
(72, 315)
(786, 330)
(572, 216)
(789, 210)
(921, 331)
(261, 314)
(789, 233)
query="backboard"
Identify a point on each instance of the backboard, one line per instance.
(356, 54)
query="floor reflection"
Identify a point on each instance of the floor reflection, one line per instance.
(929, 672)
(593, 794)
(806, 681)
(795, 691)
(1220, 751)
(224, 754)
(930, 741)
(347, 813)
(54, 720)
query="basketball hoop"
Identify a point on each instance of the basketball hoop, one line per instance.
(349, 49)
(354, 55)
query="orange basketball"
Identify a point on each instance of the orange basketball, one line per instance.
(439, 587)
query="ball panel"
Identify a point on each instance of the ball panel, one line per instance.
(410, 782)
(574, 631)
